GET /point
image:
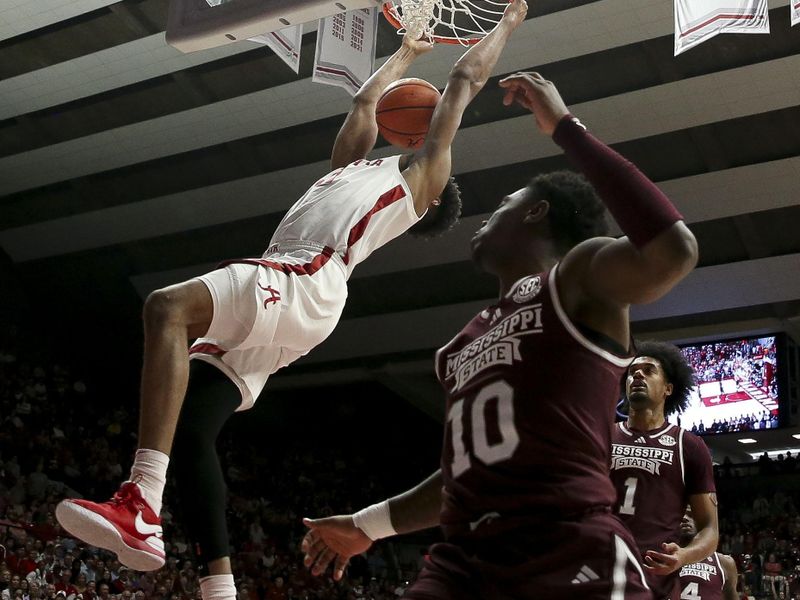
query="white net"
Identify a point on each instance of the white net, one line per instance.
(450, 21)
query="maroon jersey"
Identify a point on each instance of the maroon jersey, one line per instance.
(530, 408)
(703, 580)
(655, 472)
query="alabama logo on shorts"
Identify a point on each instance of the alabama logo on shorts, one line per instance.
(274, 295)
(527, 289)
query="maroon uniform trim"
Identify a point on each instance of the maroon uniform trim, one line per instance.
(206, 348)
(356, 233)
(358, 230)
(308, 268)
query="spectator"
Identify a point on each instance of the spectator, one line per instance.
(774, 581)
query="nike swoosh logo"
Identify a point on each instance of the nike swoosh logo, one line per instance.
(146, 528)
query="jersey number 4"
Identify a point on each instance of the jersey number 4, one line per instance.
(690, 592)
(482, 449)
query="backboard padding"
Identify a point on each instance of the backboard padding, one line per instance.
(195, 25)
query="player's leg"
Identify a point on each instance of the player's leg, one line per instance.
(172, 316)
(129, 523)
(210, 401)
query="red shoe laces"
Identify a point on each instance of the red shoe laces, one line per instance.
(126, 494)
(121, 496)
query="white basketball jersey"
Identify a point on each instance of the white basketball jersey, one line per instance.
(353, 210)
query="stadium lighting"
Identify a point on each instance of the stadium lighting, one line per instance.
(746, 441)
(774, 453)
(796, 436)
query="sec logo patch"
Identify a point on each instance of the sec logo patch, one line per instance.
(667, 440)
(527, 289)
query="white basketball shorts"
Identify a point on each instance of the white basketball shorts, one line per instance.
(269, 312)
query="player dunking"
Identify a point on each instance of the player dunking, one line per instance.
(255, 316)
(524, 496)
(658, 467)
(714, 578)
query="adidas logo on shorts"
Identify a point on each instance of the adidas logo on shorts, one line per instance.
(585, 575)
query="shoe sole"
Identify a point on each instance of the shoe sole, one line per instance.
(97, 531)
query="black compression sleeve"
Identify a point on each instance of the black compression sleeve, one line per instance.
(210, 401)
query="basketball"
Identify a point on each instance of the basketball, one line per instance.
(404, 112)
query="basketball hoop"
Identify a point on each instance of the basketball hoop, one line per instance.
(462, 22)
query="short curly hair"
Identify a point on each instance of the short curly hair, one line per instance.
(576, 212)
(446, 215)
(677, 371)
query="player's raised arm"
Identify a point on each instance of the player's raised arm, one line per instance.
(337, 539)
(360, 130)
(429, 173)
(658, 250)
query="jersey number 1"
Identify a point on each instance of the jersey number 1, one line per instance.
(627, 507)
(482, 449)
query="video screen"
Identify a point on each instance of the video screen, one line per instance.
(737, 388)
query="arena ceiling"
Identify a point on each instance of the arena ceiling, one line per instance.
(126, 165)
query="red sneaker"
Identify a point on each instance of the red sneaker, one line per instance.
(125, 524)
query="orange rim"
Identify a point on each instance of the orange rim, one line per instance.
(390, 12)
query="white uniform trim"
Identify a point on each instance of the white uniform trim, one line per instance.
(623, 554)
(662, 430)
(570, 327)
(680, 453)
(719, 566)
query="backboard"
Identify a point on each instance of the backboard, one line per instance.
(201, 24)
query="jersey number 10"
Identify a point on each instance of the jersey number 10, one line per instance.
(482, 449)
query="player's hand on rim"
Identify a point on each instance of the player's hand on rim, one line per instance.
(537, 94)
(418, 46)
(515, 12)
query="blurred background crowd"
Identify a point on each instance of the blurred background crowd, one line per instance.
(59, 437)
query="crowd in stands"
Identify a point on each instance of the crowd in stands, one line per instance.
(58, 438)
(743, 360)
(724, 370)
(752, 422)
(760, 524)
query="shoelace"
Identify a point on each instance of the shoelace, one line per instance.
(123, 495)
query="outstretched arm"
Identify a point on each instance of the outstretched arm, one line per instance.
(360, 130)
(337, 539)
(429, 173)
(704, 512)
(658, 250)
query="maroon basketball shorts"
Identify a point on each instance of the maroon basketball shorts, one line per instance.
(665, 587)
(594, 558)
